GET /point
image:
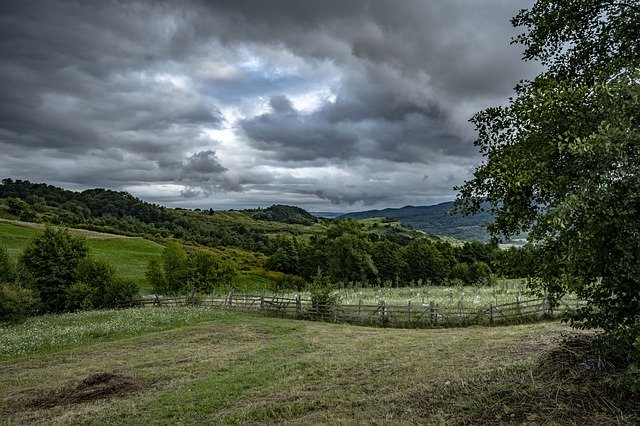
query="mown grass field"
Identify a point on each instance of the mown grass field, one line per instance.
(188, 366)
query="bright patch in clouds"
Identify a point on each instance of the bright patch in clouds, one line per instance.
(326, 105)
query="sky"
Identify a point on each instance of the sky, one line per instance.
(328, 105)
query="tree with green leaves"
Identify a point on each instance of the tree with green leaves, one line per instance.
(425, 263)
(52, 259)
(285, 257)
(206, 271)
(348, 249)
(563, 158)
(174, 262)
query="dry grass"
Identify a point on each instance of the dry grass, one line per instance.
(240, 368)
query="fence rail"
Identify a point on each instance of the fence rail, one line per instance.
(424, 315)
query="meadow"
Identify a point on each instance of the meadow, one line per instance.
(181, 365)
(193, 365)
(128, 255)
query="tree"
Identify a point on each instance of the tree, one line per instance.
(155, 277)
(285, 257)
(425, 262)
(174, 260)
(562, 159)
(52, 259)
(206, 271)
(389, 261)
(348, 249)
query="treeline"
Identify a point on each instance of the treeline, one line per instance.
(120, 212)
(347, 254)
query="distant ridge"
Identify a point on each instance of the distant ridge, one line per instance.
(434, 219)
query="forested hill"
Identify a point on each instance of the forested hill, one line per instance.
(435, 220)
(120, 212)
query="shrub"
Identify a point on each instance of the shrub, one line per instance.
(7, 268)
(51, 260)
(81, 297)
(120, 291)
(323, 296)
(16, 302)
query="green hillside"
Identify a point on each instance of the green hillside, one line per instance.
(128, 255)
(435, 220)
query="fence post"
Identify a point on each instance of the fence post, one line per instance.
(262, 303)
(432, 312)
(491, 313)
(381, 309)
(409, 312)
(231, 297)
(335, 311)
(298, 305)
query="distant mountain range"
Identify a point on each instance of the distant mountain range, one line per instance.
(435, 220)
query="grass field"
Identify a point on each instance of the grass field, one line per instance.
(168, 366)
(128, 255)
(505, 291)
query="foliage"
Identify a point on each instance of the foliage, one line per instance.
(174, 267)
(98, 286)
(7, 268)
(322, 292)
(479, 274)
(200, 271)
(425, 262)
(52, 259)
(562, 157)
(284, 256)
(388, 258)
(120, 291)
(16, 302)
(205, 271)
(286, 214)
(155, 277)
(80, 297)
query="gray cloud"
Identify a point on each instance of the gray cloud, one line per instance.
(127, 94)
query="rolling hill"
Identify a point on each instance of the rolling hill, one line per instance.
(434, 219)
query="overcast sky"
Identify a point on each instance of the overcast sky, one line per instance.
(329, 105)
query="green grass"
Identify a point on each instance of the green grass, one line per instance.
(202, 366)
(505, 291)
(208, 366)
(128, 255)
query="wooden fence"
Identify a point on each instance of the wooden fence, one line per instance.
(425, 315)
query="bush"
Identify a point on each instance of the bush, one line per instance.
(81, 297)
(479, 274)
(120, 291)
(323, 296)
(16, 302)
(51, 260)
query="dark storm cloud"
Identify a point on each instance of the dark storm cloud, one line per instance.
(122, 93)
(405, 68)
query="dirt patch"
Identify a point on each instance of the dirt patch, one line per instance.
(95, 387)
